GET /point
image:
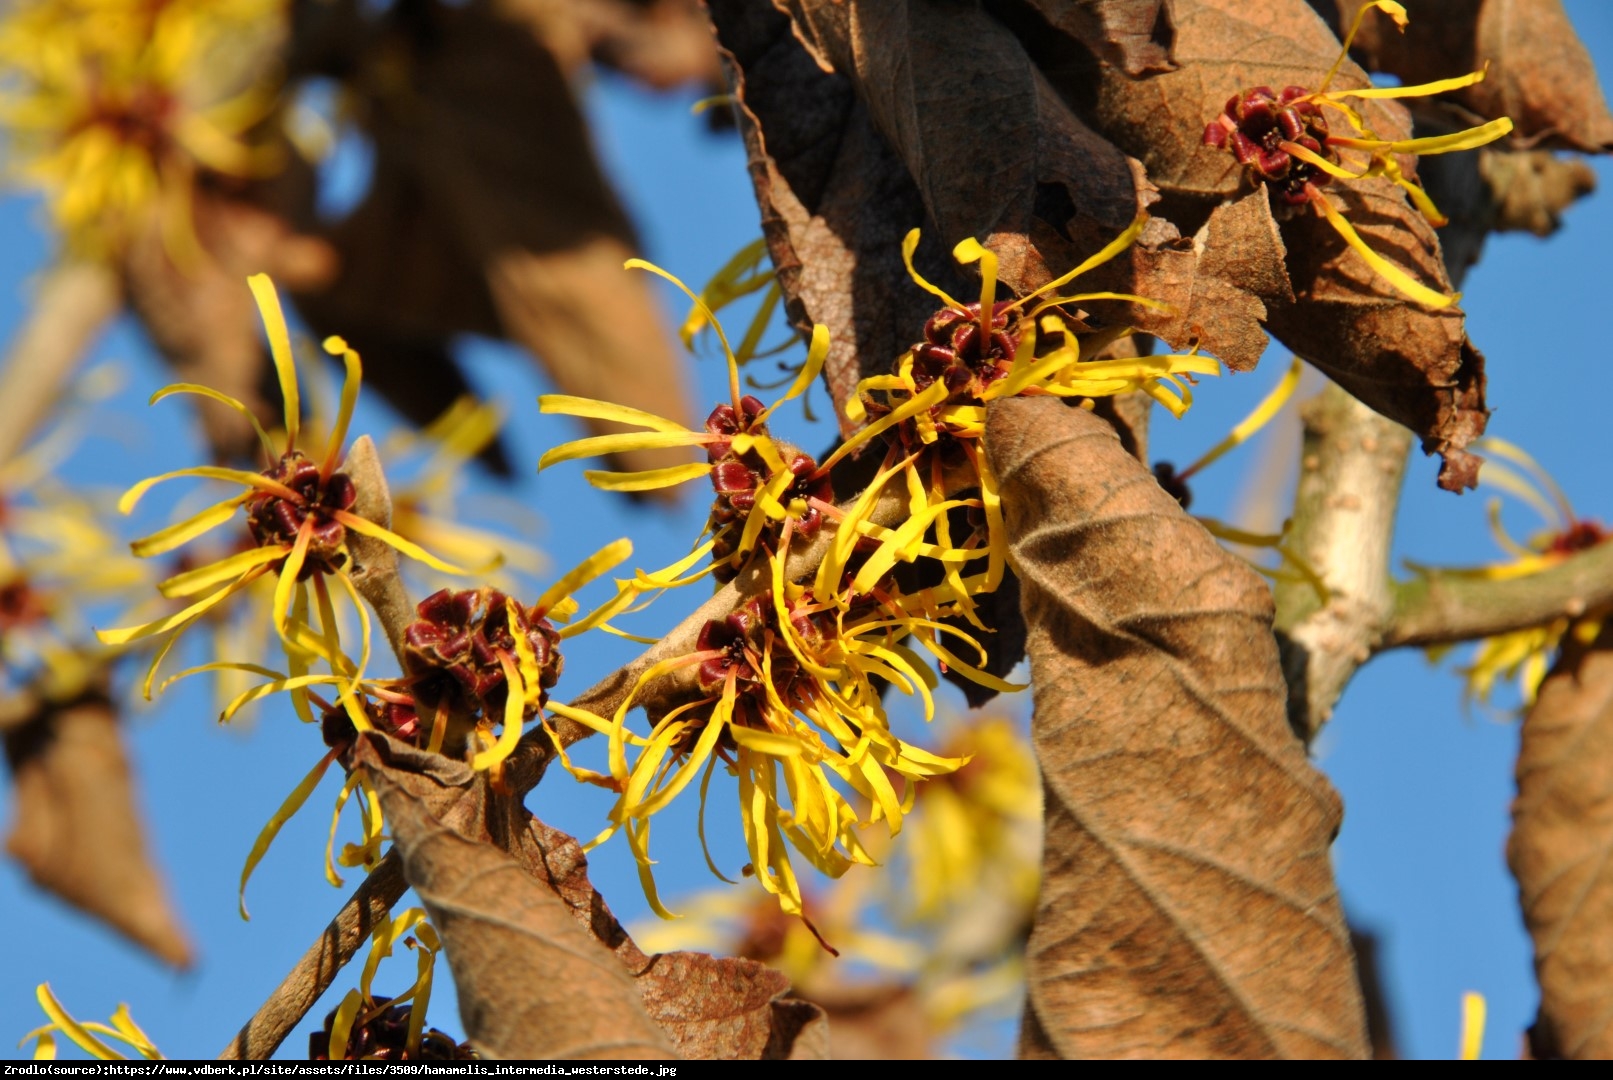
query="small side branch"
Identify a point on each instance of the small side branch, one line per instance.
(318, 968)
(1441, 609)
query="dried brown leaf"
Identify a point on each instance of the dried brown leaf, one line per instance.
(1188, 904)
(532, 982)
(534, 935)
(1134, 35)
(1409, 363)
(908, 129)
(486, 183)
(1412, 364)
(1561, 851)
(1540, 73)
(77, 826)
(835, 199)
(661, 43)
(877, 1023)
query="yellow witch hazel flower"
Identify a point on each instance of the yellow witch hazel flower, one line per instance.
(87, 1034)
(1523, 654)
(474, 659)
(112, 106)
(1284, 140)
(299, 514)
(57, 559)
(783, 690)
(760, 481)
(932, 408)
(367, 1026)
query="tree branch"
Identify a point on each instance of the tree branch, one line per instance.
(1351, 467)
(375, 563)
(1441, 609)
(75, 300)
(319, 966)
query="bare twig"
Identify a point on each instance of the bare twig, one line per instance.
(1440, 609)
(1352, 465)
(75, 300)
(375, 564)
(318, 968)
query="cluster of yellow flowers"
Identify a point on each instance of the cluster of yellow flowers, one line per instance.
(112, 106)
(787, 684)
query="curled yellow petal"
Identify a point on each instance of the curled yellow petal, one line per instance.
(287, 810)
(1390, 272)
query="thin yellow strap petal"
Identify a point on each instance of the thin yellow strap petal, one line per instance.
(1259, 417)
(910, 244)
(600, 445)
(600, 562)
(1439, 86)
(72, 1028)
(165, 540)
(126, 504)
(1390, 272)
(405, 547)
(194, 581)
(589, 408)
(646, 479)
(351, 381)
(1473, 1010)
(817, 352)
(274, 324)
(728, 351)
(1110, 250)
(223, 399)
(1389, 7)
(289, 807)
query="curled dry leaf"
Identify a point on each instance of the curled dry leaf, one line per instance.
(77, 827)
(1134, 35)
(1561, 851)
(1186, 831)
(997, 155)
(524, 923)
(1410, 363)
(1540, 73)
(835, 199)
(846, 161)
(489, 214)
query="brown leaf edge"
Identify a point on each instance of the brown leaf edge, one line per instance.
(1188, 903)
(529, 939)
(1561, 850)
(77, 828)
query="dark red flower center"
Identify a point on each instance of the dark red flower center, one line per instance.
(1255, 125)
(275, 519)
(454, 648)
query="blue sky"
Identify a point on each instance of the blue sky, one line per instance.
(1426, 784)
